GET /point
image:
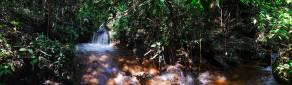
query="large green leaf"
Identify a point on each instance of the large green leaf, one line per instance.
(22, 49)
(279, 33)
(198, 5)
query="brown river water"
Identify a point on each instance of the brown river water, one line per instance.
(107, 65)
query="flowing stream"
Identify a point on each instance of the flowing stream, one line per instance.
(100, 63)
(101, 36)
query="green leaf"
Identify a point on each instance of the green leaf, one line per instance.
(198, 5)
(1, 73)
(290, 72)
(271, 36)
(1, 26)
(153, 45)
(290, 62)
(283, 33)
(254, 21)
(22, 49)
(33, 62)
(5, 70)
(15, 23)
(288, 1)
(268, 17)
(30, 51)
(218, 3)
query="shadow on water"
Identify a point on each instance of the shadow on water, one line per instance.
(117, 68)
(101, 63)
(241, 75)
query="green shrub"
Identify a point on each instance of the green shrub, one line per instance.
(46, 54)
(6, 67)
(273, 20)
(282, 68)
(42, 49)
(4, 48)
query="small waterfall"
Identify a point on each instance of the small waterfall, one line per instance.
(101, 36)
(95, 58)
(99, 42)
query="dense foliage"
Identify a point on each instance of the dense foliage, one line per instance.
(273, 19)
(6, 67)
(188, 30)
(37, 36)
(37, 39)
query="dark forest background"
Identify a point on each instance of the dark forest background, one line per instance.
(37, 37)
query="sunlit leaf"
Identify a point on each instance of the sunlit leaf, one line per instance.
(288, 1)
(217, 3)
(198, 5)
(254, 21)
(158, 43)
(15, 23)
(22, 49)
(268, 17)
(30, 51)
(271, 36)
(153, 45)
